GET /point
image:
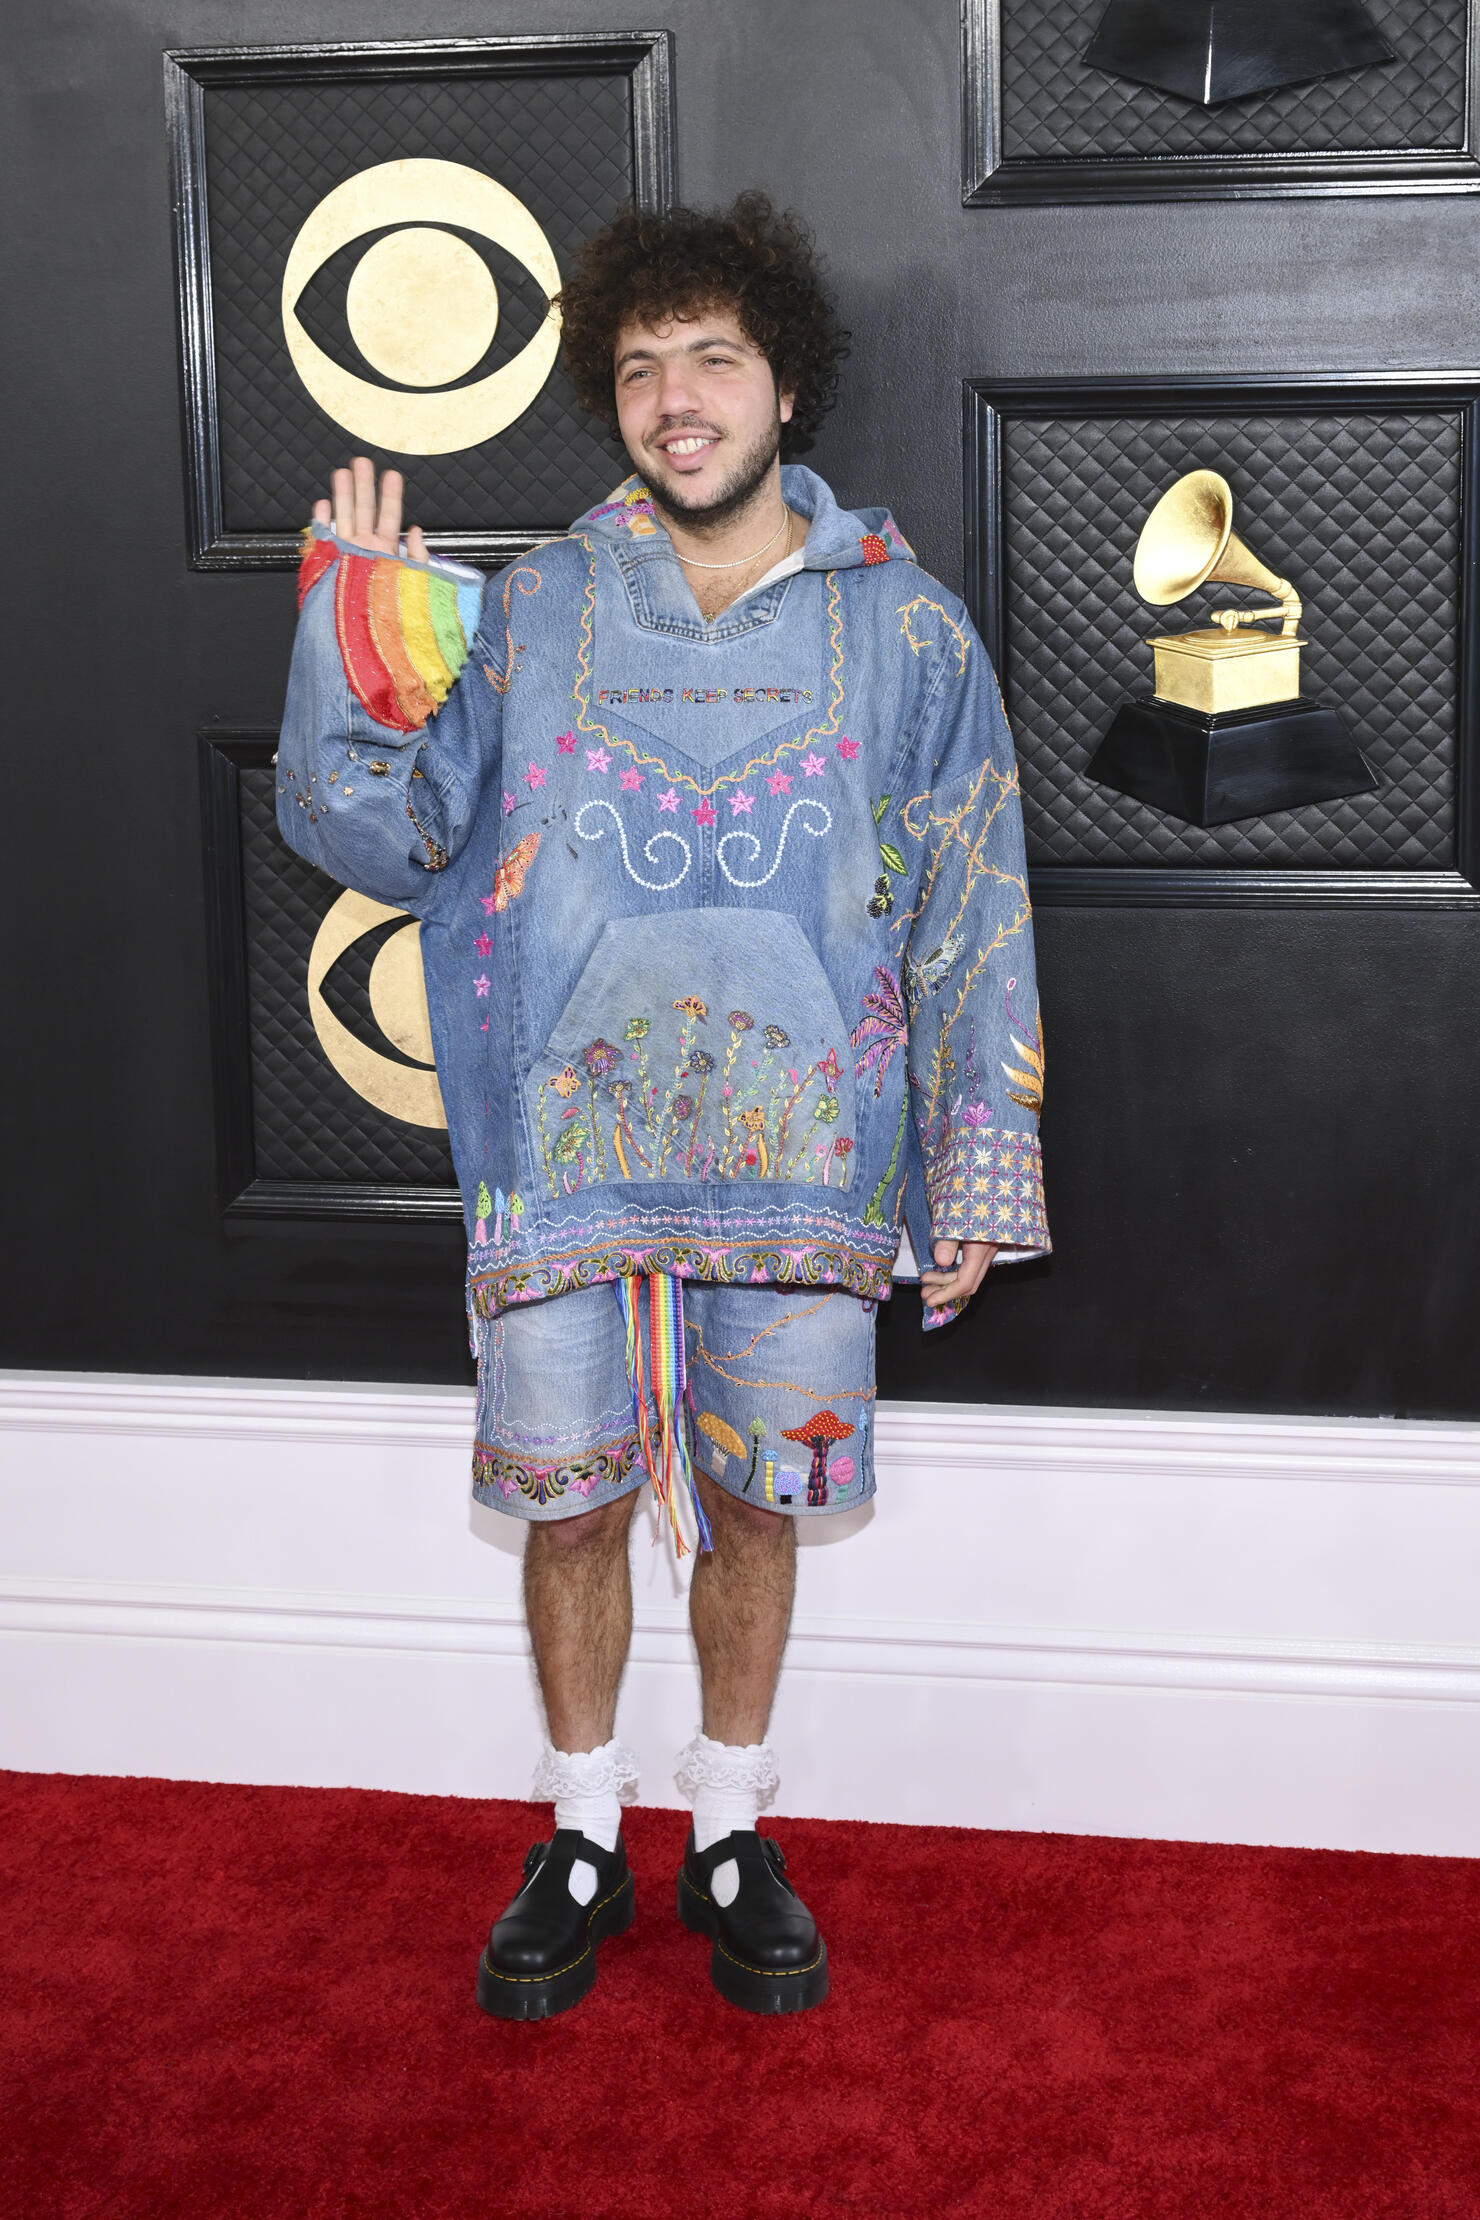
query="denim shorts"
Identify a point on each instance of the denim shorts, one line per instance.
(780, 1400)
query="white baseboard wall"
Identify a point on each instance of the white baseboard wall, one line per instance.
(1097, 1622)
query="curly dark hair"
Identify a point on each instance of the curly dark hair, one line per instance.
(644, 268)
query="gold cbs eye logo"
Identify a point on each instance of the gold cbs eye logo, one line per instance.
(398, 1004)
(421, 305)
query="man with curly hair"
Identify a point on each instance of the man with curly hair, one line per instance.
(710, 816)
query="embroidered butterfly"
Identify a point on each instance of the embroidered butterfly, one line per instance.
(508, 880)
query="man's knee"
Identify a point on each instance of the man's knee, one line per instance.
(587, 1533)
(744, 1526)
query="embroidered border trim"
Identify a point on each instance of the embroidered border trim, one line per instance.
(499, 1475)
(985, 1185)
(817, 1264)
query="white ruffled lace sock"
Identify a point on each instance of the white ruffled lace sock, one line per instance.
(729, 1785)
(589, 1788)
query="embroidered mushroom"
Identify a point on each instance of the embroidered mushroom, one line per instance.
(726, 1441)
(819, 1433)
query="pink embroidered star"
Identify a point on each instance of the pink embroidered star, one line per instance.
(779, 782)
(848, 749)
(631, 780)
(704, 814)
(566, 743)
(814, 765)
(534, 776)
(480, 984)
(669, 801)
(739, 802)
(490, 902)
(483, 946)
(597, 759)
(508, 803)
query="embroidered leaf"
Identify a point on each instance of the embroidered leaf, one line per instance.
(1032, 1056)
(893, 860)
(485, 1205)
(880, 806)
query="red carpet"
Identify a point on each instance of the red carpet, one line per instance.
(258, 2003)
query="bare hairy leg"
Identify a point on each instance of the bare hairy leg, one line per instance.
(740, 1609)
(578, 1606)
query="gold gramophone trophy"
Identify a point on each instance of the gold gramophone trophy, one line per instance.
(1226, 734)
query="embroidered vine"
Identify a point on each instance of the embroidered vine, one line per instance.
(922, 601)
(958, 837)
(501, 681)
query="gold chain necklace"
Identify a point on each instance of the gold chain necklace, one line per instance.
(693, 563)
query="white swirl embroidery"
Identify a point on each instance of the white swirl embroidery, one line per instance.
(803, 801)
(654, 886)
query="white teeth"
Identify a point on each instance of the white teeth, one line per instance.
(687, 446)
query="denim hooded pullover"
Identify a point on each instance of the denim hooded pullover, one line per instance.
(725, 926)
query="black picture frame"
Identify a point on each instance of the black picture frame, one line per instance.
(993, 178)
(240, 1191)
(644, 58)
(989, 403)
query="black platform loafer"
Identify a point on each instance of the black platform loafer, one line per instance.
(768, 1955)
(541, 1956)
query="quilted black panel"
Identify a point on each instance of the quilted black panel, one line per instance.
(1055, 108)
(562, 143)
(1362, 512)
(309, 1124)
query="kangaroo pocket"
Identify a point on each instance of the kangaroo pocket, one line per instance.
(698, 1045)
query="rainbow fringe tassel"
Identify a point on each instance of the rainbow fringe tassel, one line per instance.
(657, 1376)
(403, 632)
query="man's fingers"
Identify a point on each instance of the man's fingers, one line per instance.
(368, 516)
(416, 546)
(364, 478)
(961, 1268)
(344, 504)
(388, 522)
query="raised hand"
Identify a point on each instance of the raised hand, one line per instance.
(357, 515)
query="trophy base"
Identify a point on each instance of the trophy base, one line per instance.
(1211, 770)
(1215, 50)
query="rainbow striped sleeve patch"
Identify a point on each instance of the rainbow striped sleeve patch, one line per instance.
(403, 633)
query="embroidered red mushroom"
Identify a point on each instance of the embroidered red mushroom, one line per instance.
(819, 1433)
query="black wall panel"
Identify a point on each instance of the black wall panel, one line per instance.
(1261, 1136)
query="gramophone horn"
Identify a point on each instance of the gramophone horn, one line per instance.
(1188, 540)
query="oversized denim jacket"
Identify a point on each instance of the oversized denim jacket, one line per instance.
(725, 926)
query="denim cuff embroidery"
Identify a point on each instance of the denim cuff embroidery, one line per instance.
(984, 1185)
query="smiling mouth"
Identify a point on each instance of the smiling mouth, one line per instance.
(687, 445)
